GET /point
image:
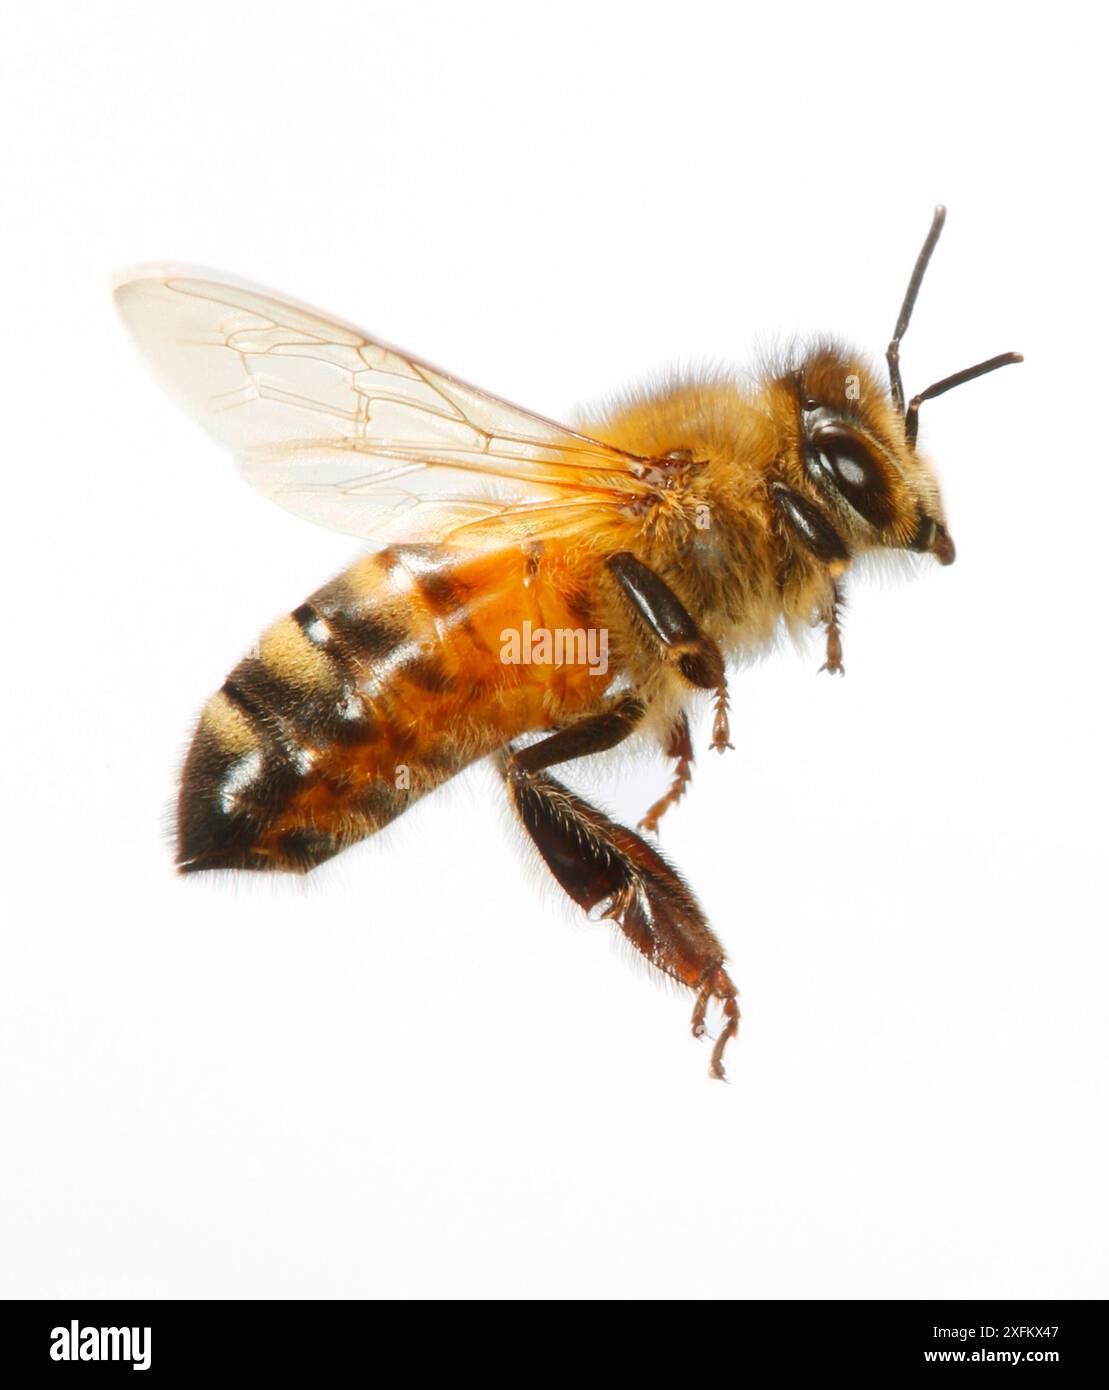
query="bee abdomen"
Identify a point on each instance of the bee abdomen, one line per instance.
(278, 775)
(319, 738)
(250, 761)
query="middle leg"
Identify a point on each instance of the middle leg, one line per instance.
(679, 746)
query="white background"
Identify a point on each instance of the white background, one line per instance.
(417, 1073)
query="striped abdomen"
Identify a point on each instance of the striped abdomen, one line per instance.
(384, 684)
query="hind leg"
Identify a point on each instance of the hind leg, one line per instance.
(600, 863)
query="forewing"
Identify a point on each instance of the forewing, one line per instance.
(351, 433)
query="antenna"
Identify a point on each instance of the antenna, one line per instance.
(893, 352)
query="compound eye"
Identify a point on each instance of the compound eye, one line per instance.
(840, 460)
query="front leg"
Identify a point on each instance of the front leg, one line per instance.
(833, 633)
(683, 644)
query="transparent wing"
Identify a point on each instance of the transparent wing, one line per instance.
(352, 434)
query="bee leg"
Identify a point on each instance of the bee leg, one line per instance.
(721, 733)
(593, 734)
(684, 645)
(833, 634)
(602, 865)
(678, 746)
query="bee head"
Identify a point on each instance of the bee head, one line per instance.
(858, 443)
(876, 490)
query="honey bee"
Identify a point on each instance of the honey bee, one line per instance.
(535, 593)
